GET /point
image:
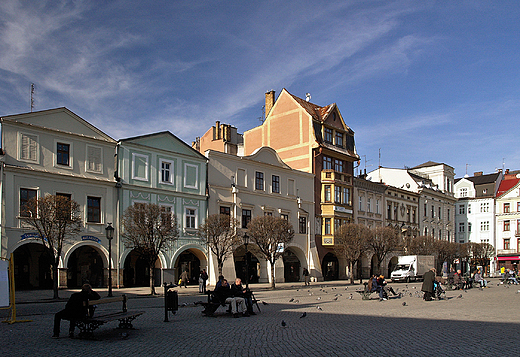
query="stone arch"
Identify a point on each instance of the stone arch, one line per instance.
(294, 261)
(32, 265)
(190, 257)
(86, 261)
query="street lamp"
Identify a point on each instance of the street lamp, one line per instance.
(109, 230)
(246, 242)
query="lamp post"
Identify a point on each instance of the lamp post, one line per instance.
(109, 230)
(246, 242)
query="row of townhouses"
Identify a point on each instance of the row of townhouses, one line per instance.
(298, 164)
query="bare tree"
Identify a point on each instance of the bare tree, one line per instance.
(56, 218)
(220, 233)
(149, 231)
(481, 253)
(446, 252)
(351, 241)
(270, 234)
(382, 241)
(422, 245)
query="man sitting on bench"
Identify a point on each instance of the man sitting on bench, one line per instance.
(237, 290)
(238, 304)
(75, 309)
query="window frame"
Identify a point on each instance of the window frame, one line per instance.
(146, 167)
(56, 154)
(88, 161)
(24, 202)
(259, 181)
(195, 217)
(35, 138)
(302, 225)
(328, 135)
(171, 171)
(90, 211)
(196, 186)
(275, 184)
(338, 135)
(246, 218)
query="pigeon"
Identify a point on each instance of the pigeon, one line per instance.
(336, 298)
(296, 301)
(292, 299)
(346, 288)
(297, 289)
(404, 303)
(263, 302)
(460, 296)
(319, 307)
(283, 323)
(319, 298)
(350, 297)
(303, 315)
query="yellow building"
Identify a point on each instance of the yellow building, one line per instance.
(314, 139)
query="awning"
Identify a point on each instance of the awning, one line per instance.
(515, 257)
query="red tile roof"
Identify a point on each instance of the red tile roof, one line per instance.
(506, 185)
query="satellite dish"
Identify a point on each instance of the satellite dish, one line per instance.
(307, 97)
(517, 175)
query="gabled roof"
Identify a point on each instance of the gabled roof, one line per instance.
(153, 141)
(482, 179)
(427, 164)
(506, 186)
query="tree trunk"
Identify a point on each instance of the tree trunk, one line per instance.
(152, 288)
(272, 276)
(351, 272)
(220, 264)
(55, 278)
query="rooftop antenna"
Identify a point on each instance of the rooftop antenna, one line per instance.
(307, 97)
(32, 97)
(467, 168)
(379, 157)
(262, 118)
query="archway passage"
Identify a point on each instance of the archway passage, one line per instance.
(32, 267)
(189, 262)
(291, 265)
(243, 262)
(330, 267)
(85, 266)
(136, 272)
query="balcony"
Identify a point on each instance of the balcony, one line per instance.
(333, 176)
(506, 251)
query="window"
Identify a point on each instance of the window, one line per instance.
(225, 210)
(337, 194)
(139, 167)
(62, 154)
(191, 218)
(68, 198)
(506, 226)
(259, 181)
(29, 147)
(166, 215)
(327, 193)
(338, 165)
(448, 218)
(246, 217)
(377, 207)
(369, 204)
(166, 171)
(396, 213)
(337, 224)
(425, 209)
(276, 184)
(302, 223)
(327, 135)
(389, 211)
(433, 212)
(290, 187)
(284, 216)
(440, 212)
(191, 176)
(339, 139)
(469, 208)
(484, 207)
(268, 213)
(484, 226)
(346, 196)
(413, 216)
(518, 227)
(518, 206)
(463, 192)
(94, 159)
(25, 195)
(506, 207)
(327, 163)
(462, 209)
(469, 227)
(93, 209)
(327, 225)
(408, 214)
(241, 178)
(507, 244)
(360, 208)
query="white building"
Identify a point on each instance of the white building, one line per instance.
(57, 152)
(507, 222)
(262, 184)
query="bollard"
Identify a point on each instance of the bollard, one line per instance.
(171, 300)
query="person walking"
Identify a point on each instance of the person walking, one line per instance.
(306, 277)
(184, 279)
(202, 281)
(427, 286)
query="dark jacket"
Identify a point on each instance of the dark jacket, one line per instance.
(222, 293)
(75, 307)
(428, 279)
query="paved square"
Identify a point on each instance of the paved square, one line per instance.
(480, 322)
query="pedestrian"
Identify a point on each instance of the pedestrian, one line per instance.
(306, 277)
(202, 281)
(184, 279)
(427, 286)
(75, 309)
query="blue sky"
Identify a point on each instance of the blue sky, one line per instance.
(420, 80)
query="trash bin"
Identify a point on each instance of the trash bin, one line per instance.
(171, 300)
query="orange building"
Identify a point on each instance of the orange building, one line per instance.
(314, 139)
(221, 137)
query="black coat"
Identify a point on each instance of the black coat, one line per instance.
(75, 307)
(428, 279)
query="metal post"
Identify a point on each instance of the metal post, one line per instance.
(110, 235)
(246, 242)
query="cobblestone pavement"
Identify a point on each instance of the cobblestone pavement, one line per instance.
(480, 322)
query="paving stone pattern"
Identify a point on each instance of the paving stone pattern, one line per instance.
(481, 323)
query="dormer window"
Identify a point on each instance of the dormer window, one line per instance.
(339, 139)
(327, 133)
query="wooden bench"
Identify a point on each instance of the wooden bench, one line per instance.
(214, 303)
(88, 324)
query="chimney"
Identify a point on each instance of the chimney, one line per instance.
(216, 131)
(478, 173)
(269, 102)
(507, 171)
